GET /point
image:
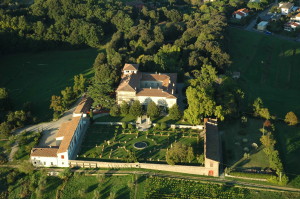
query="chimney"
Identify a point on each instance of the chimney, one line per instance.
(156, 72)
(169, 81)
(150, 87)
(173, 84)
(172, 91)
(159, 73)
(134, 88)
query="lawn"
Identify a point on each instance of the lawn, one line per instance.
(269, 67)
(288, 143)
(236, 138)
(35, 77)
(90, 184)
(96, 146)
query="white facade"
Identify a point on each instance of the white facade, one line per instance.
(44, 161)
(160, 101)
(58, 157)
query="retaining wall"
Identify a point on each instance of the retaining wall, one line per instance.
(197, 170)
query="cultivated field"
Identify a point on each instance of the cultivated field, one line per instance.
(270, 69)
(110, 143)
(35, 77)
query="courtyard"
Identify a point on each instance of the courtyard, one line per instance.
(113, 143)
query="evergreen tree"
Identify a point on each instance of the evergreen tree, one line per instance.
(135, 109)
(79, 84)
(174, 112)
(124, 108)
(153, 110)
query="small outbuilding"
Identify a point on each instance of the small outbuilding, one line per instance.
(262, 25)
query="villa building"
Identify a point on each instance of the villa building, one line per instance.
(68, 139)
(146, 87)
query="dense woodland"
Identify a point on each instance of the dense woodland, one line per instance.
(173, 36)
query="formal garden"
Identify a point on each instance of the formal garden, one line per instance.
(116, 143)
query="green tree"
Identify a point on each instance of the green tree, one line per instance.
(174, 112)
(68, 97)
(79, 84)
(190, 154)
(25, 167)
(153, 110)
(115, 110)
(167, 58)
(135, 109)
(257, 106)
(5, 128)
(17, 119)
(178, 153)
(124, 108)
(57, 104)
(291, 118)
(200, 96)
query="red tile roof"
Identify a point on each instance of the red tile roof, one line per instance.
(241, 12)
(84, 105)
(131, 67)
(69, 130)
(44, 152)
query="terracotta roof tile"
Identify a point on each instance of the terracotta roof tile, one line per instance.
(62, 129)
(44, 152)
(131, 67)
(154, 93)
(84, 105)
(70, 129)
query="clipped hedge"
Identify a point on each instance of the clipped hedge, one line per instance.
(251, 175)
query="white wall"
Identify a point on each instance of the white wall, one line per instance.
(160, 101)
(63, 162)
(44, 161)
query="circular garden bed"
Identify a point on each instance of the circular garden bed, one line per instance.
(140, 145)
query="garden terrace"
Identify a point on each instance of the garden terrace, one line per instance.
(112, 143)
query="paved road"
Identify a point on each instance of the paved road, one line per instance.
(251, 26)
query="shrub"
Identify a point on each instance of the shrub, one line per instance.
(124, 125)
(130, 126)
(115, 110)
(163, 126)
(157, 126)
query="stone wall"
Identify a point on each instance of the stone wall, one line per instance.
(197, 170)
(183, 126)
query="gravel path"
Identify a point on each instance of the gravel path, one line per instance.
(49, 130)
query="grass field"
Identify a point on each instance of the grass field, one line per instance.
(95, 147)
(35, 77)
(236, 137)
(270, 69)
(288, 143)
